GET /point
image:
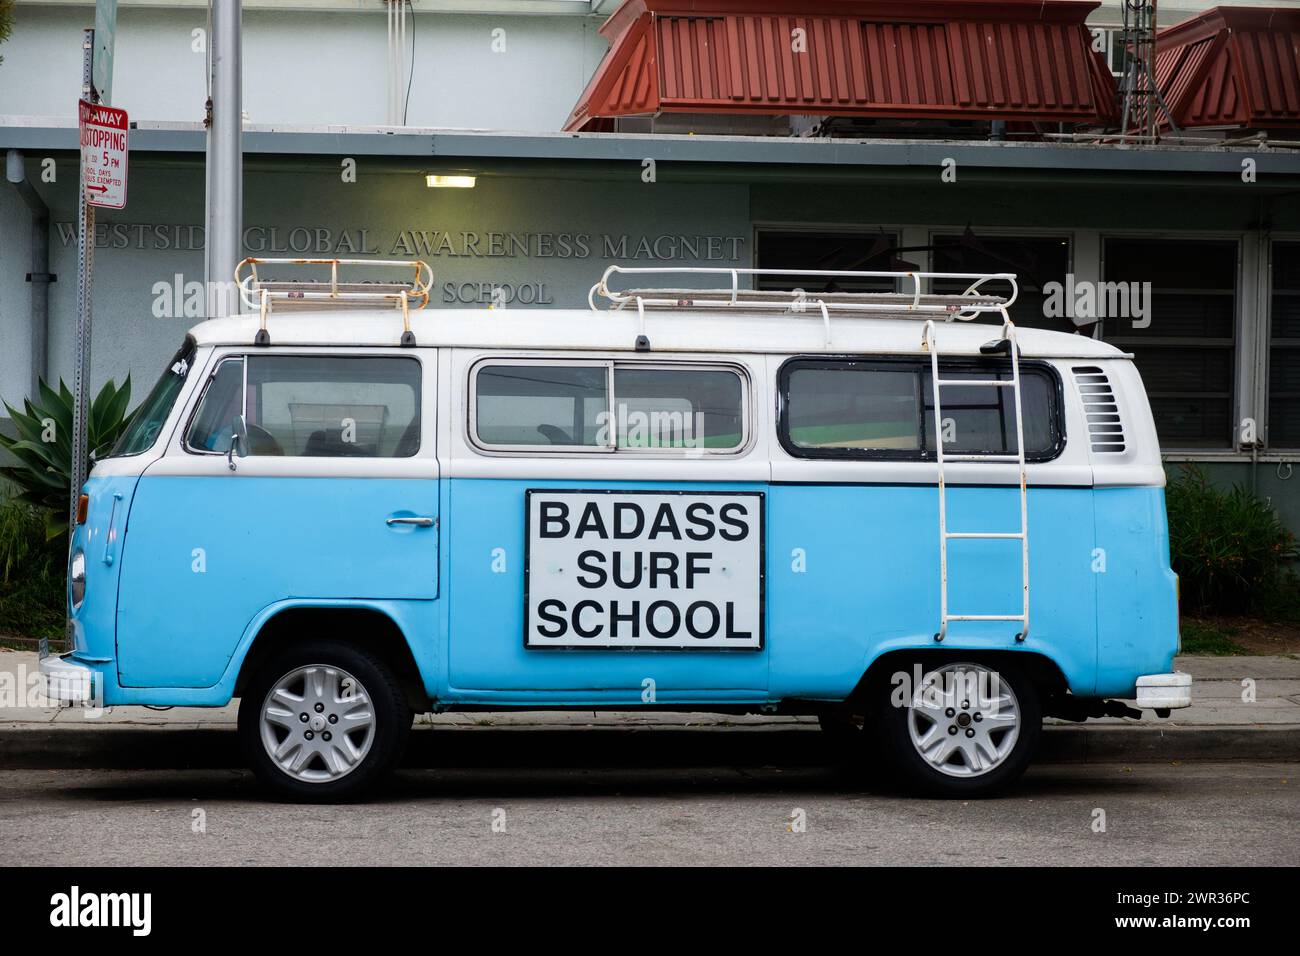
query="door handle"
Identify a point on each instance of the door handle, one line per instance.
(110, 537)
(419, 522)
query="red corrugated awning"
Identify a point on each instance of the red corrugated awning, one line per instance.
(1232, 66)
(938, 59)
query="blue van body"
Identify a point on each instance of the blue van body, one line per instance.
(185, 571)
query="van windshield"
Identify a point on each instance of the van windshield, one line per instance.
(148, 420)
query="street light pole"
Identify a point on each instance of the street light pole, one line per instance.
(223, 245)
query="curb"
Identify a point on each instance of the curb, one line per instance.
(1116, 744)
(548, 745)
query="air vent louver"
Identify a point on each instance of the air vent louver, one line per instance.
(1105, 430)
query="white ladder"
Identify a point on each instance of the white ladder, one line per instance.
(1009, 341)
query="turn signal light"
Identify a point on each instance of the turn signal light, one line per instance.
(83, 506)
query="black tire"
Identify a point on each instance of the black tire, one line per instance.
(390, 713)
(960, 778)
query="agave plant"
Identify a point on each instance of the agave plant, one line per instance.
(43, 445)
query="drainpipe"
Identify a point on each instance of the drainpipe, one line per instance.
(40, 276)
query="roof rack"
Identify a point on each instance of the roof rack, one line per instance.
(268, 295)
(914, 304)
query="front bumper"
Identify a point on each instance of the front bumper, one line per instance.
(1164, 691)
(67, 681)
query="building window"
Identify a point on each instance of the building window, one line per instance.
(1037, 261)
(883, 408)
(829, 251)
(1284, 348)
(1182, 334)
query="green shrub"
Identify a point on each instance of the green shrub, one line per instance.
(1227, 545)
(24, 549)
(6, 21)
(1209, 639)
(43, 445)
(32, 602)
(1282, 603)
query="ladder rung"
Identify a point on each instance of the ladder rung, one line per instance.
(986, 617)
(999, 383)
(984, 534)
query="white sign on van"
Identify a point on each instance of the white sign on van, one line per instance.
(626, 569)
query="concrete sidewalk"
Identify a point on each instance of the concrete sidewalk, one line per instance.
(1224, 722)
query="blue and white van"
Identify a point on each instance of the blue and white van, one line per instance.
(927, 531)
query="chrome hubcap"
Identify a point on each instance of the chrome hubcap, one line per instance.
(317, 723)
(963, 720)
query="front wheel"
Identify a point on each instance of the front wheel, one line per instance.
(969, 730)
(322, 721)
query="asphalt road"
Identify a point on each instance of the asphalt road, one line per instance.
(625, 801)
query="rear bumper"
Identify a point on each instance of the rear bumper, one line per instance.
(68, 681)
(1164, 691)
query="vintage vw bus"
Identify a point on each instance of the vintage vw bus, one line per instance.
(928, 531)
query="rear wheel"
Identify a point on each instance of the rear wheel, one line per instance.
(322, 721)
(970, 729)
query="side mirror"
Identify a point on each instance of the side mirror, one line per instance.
(238, 441)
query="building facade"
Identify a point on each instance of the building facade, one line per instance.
(1186, 255)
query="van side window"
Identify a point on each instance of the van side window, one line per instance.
(883, 408)
(606, 406)
(540, 404)
(984, 419)
(313, 406)
(678, 408)
(222, 400)
(845, 407)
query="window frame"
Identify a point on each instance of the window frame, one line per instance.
(1243, 361)
(759, 227)
(611, 364)
(1267, 344)
(924, 453)
(237, 355)
(191, 418)
(187, 352)
(1010, 234)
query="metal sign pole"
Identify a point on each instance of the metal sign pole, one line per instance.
(85, 268)
(223, 244)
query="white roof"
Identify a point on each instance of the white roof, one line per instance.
(676, 331)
